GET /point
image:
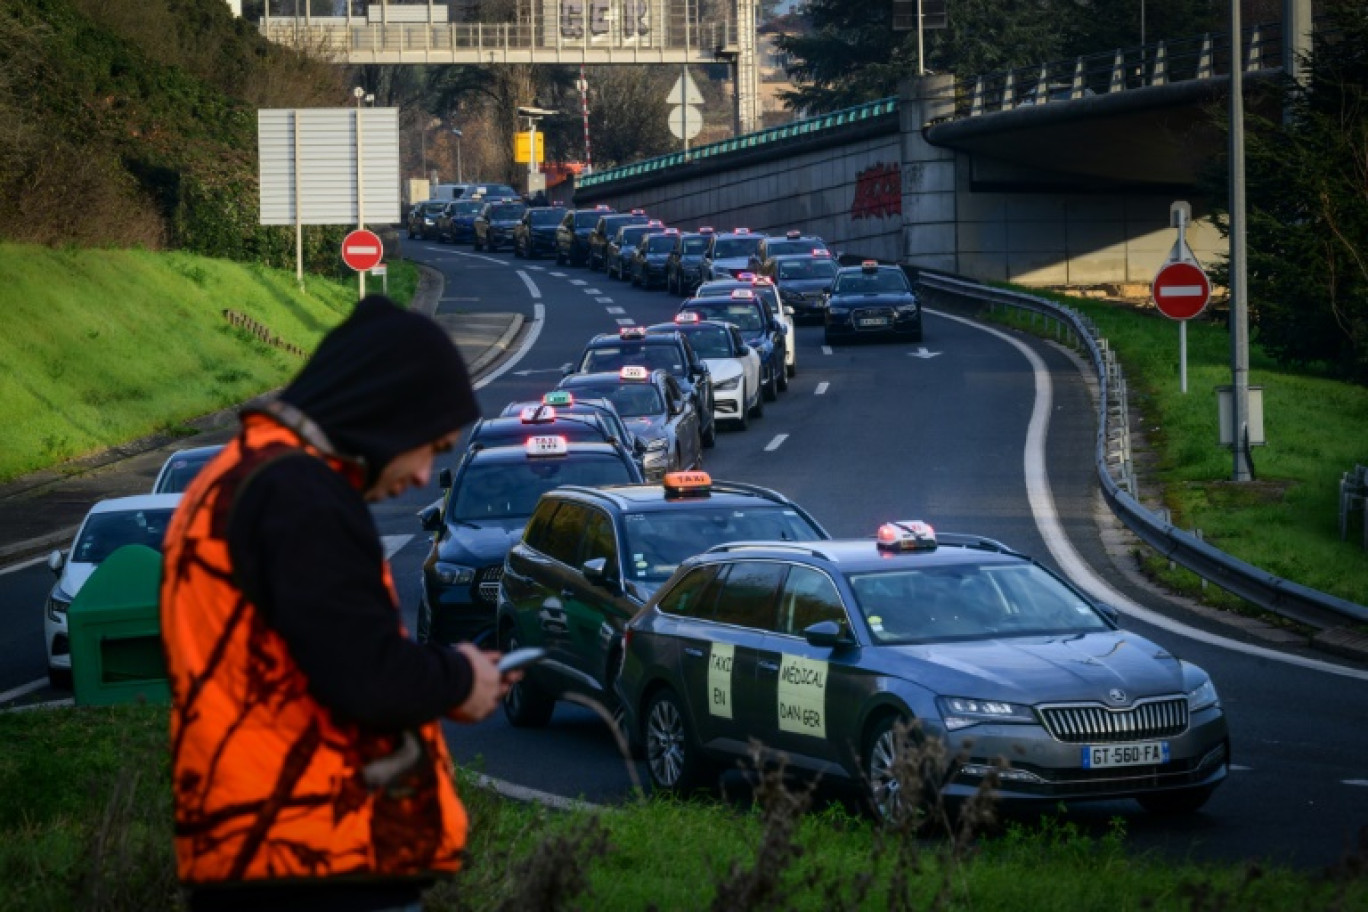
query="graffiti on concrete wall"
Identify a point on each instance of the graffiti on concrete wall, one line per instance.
(595, 18)
(878, 192)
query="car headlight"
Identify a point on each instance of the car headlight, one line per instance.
(962, 712)
(728, 385)
(452, 574)
(57, 604)
(1204, 697)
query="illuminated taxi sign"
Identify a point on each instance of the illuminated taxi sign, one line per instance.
(793, 235)
(869, 265)
(559, 397)
(548, 445)
(670, 231)
(906, 535)
(634, 372)
(821, 251)
(638, 212)
(688, 316)
(762, 280)
(655, 223)
(632, 332)
(687, 484)
(602, 207)
(705, 229)
(537, 414)
(745, 276)
(743, 294)
(740, 231)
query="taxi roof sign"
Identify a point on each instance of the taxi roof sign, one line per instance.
(548, 445)
(634, 372)
(740, 231)
(632, 332)
(906, 535)
(705, 229)
(869, 265)
(762, 280)
(559, 397)
(793, 235)
(745, 275)
(537, 414)
(688, 316)
(687, 484)
(820, 251)
(743, 294)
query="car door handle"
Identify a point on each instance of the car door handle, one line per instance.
(693, 651)
(767, 666)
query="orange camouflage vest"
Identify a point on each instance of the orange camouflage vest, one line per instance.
(267, 785)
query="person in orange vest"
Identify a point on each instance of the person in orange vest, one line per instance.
(309, 767)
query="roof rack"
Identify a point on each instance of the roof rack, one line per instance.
(981, 542)
(794, 547)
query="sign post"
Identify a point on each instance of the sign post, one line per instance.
(685, 118)
(1181, 288)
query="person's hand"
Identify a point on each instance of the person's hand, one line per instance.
(487, 686)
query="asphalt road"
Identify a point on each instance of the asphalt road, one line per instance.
(974, 431)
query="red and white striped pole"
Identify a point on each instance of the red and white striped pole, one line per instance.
(584, 111)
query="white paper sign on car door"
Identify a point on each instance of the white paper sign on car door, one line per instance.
(802, 696)
(720, 679)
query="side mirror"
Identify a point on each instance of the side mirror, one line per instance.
(1110, 612)
(778, 327)
(444, 479)
(788, 311)
(745, 350)
(55, 562)
(430, 517)
(596, 571)
(826, 634)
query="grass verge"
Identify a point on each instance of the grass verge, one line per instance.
(85, 823)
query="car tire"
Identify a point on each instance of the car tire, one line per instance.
(828, 338)
(743, 422)
(560, 260)
(1175, 803)
(759, 410)
(709, 437)
(59, 678)
(792, 369)
(674, 758)
(781, 378)
(525, 705)
(476, 243)
(770, 390)
(880, 762)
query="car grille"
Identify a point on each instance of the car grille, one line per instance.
(1092, 724)
(487, 584)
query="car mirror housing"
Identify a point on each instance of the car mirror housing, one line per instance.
(826, 634)
(444, 479)
(596, 572)
(54, 563)
(430, 517)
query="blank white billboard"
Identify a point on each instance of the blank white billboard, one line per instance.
(309, 159)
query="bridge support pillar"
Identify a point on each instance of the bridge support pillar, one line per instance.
(928, 176)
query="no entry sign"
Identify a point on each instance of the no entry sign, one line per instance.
(362, 250)
(1181, 290)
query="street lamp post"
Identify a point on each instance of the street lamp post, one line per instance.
(460, 172)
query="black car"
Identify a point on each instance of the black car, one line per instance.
(872, 301)
(604, 230)
(768, 295)
(834, 655)
(793, 242)
(648, 261)
(563, 402)
(535, 233)
(422, 219)
(590, 559)
(655, 407)
(729, 253)
(572, 235)
(669, 351)
(456, 224)
(495, 223)
(482, 511)
(762, 332)
(623, 245)
(803, 282)
(683, 265)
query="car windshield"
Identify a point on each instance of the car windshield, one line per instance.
(745, 316)
(103, 533)
(807, 269)
(628, 236)
(468, 208)
(587, 220)
(695, 244)
(881, 282)
(543, 217)
(612, 357)
(795, 245)
(659, 541)
(632, 400)
(507, 211)
(180, 471)
(659, 243)
(433, 208)
(711, 342)
(730, 248)
(509, 490)
(970, 601)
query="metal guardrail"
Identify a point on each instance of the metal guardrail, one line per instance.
(1263, 589)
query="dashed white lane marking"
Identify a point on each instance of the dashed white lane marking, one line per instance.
(578, 282)
(394, 543)
(559, 275)
(532, 288)
(604, 300)
(625, 321)
(614, 310)
(1359, 782)
(826, 349)
(821, 388)
(776, 443)
(538, 321)
(538, 268)
(593, 291)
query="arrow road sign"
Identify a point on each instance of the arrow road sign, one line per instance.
(922, 353)
(362, 250)
(1181, 290)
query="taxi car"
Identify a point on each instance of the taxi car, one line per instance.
(535, 232)
(495, 223)
(484, 505)
(803, 282)
(792, 243)
(655, 407)
(761, 333)
(732, 364)
(646, 265)
(869, 301)
(542, 419)
(729, 253)
(591, 557)
(181, 467)
(140, 519)
(603, 232)
(684, 264)
(422, 219)
(824, 653)
(768, 295)
(666, 350)
(565, 403)
(456, 223)
(572, 236)
(623, 245)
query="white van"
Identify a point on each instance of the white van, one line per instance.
(450, 191)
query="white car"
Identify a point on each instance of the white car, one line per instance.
(138, 520)
(765, 289)
(733, 365)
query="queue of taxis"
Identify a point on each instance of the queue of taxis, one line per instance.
(655, 407)
(839, 655)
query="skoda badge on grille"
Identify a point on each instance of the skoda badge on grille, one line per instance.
(1116, 695)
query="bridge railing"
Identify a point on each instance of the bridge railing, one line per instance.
(1116, 473)
(1161, 63)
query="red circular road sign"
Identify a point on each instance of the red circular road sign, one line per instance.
(361, 249)
(1181, 290)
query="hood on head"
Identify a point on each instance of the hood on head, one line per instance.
(384, 381)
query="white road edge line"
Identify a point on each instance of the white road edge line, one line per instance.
(22, 689)
(1074, 567)
(25, 565)
(776, 443)
(538, 321)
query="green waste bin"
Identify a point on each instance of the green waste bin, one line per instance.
(115, 630)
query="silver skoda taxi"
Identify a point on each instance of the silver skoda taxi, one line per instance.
(818, 650)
